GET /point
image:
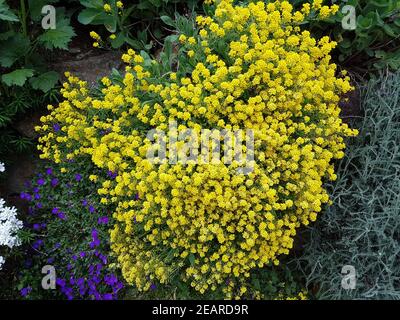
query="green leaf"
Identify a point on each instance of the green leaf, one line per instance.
(6, 13)
(389, 31)
(364, 23)
(58, 38)
(156, 3)
(98, 17)
(168, 21)
(118, 41)
(134, 43)
(35, 8)
(7, 35)
(94, 4)
(87, 16)
(346, 43)
(12, 49)
(45, 81)
(144, 5)
(17, 77)
(191, 259)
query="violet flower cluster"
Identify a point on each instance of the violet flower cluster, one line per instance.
(80, 251)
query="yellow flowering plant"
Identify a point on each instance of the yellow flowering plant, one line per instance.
(117, 20)
(247, 67)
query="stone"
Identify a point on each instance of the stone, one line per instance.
(89, 67)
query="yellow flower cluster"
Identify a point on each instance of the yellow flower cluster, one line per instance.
(253, 68)
(94, 35)
(302, 295)
(107, 8)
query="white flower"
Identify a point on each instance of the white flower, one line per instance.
(9, 225)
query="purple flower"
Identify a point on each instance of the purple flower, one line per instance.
(26, 196)
(118, 286)
(110, 279)
(78, 177)
(91, 209)
(36, 227)
(137, 196)
(38, 244)
(103, 220)
(80, 282)
(49, 171)
(54, 182)
(56, 127)
(25, 291)
(112, 175)
(55, 211)
(153, 287)
(61, 215)
(41, 182)
(39, 205)
(103, 259)
(107, 296)
(95, 240)
(37, 196)
(84, 202)
(82, 290)
(61, 282)
(82, 254)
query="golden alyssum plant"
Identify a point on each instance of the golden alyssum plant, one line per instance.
(252, 68)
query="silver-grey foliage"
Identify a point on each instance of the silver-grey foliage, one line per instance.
(362, 227)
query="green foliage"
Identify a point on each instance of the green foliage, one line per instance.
(6, 13)
(362, 227)
(17, 77)
(374, 44)
(58, 38)
(140, 25)
(24, 75)
(18, 48)
(45, 82)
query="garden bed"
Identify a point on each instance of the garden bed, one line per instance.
(312, 97)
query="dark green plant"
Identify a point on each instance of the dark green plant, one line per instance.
(22, 40)
(375, 42)
(140, 24)
(26, 82)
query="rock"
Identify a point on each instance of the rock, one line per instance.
(89, 67)
(26, 126)
(20, 171)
